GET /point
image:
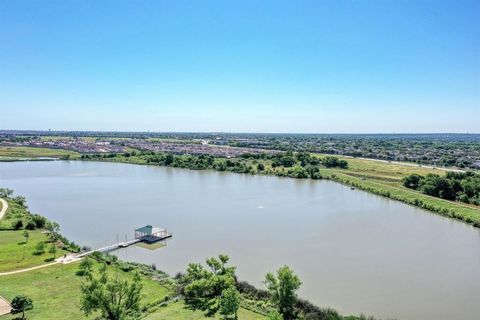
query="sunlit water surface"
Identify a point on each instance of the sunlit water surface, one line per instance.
(354, 251)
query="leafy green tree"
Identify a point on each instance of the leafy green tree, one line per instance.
(17, 225)
(230, 302)
(39, 248)
(260, 167)
(114, 298)
(274, 315)
(220, 165)
(30, 225)
(26, 235)
(304, 158)
(85, 267)
(53, 250)
(39, 221)
(332, 162)
(287, 159)
(313, 172)
(5, 193)
(203, 288)
(169, 159)
(412, 181)
(20, 304)
(21, 200)
(54, 229)
(282, 288)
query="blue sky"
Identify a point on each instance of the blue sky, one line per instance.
(243, 66)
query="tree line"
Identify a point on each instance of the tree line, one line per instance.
(301, 165)
(458, 186)
(212, 288)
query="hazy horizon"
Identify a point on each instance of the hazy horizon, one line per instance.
(214, 66)
(242, 132)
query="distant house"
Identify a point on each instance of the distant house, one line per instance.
(151, 234)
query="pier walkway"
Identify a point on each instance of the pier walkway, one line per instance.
(111, 247)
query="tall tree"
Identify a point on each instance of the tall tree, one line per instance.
(85, 267)
(204, 288)
(114, 298)
(230, 302)
(282, 288)
(21, 304)
(53, 250)
(26, 235)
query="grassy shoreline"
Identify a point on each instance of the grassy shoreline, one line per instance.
(55, 289)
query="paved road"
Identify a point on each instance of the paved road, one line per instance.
(4, 207)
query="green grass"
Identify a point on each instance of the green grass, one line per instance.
(56, 295)
(12, 153)
(12, 245)
(14, 212)
(452, 209)
(385, 179)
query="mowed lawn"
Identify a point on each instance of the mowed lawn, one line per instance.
(56, 295)
(387, 171)
(13, 246)
(32, 152)
(56, 292)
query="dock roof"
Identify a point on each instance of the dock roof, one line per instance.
(149, 229)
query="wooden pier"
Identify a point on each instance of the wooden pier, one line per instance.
(147, 234)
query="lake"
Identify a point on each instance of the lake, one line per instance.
(354, 251)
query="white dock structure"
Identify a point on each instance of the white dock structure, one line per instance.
(148, 234)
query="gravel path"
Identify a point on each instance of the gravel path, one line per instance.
(4, 207)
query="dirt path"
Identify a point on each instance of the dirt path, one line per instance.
(4, 207)
(28, 269)
(69, 258)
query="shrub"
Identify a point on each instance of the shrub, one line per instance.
(17, 225)
(39, 248)
(30, 225)
(39, 221)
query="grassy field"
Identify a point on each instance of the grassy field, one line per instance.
(15, 253)
(55, 289)
(11, 153)
(12, 246)
(385, 179)
(14, 212)
(56, 295)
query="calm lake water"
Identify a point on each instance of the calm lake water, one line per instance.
(355, 252)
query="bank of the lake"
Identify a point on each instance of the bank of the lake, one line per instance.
(55, 287)
(380, 178)
(355, 251)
